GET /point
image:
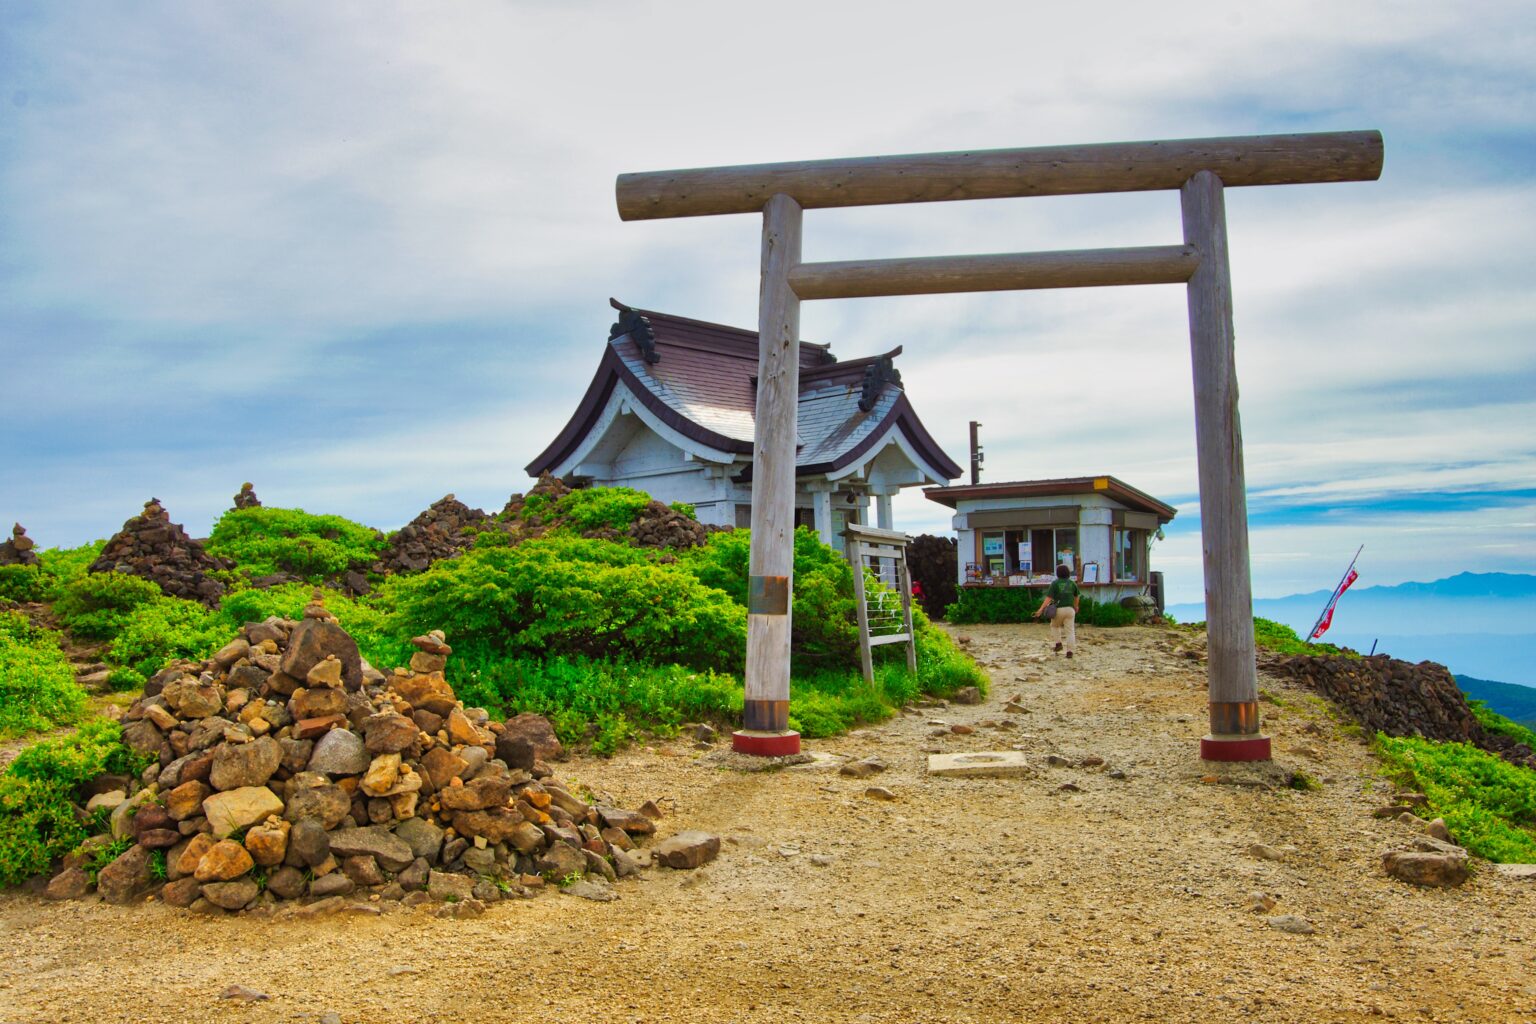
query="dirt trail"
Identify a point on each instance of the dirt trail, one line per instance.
(962, 900)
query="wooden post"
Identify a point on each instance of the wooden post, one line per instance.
(855, 548)
(1231, 672)
(765, 716)
(904, 575)
(883, 518)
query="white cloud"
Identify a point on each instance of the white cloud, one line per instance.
(230, 201)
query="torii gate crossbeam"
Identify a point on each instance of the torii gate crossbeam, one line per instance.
(1200, 169)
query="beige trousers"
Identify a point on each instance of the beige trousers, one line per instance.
(1065, 622)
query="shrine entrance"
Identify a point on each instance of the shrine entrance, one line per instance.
(1199, 169)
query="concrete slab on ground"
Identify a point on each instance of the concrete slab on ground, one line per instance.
(979, 764)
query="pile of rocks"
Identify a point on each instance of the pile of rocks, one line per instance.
(1400, 698)
(661, 526)
(247, 497)
(551, 487)
(1432, 857)
(287, 767)
(444, 530)
(18, 550)
(151, 546)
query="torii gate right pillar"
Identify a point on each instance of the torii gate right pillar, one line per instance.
(1231, 668)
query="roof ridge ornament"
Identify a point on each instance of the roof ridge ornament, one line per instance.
(876, 376)
(638, 328)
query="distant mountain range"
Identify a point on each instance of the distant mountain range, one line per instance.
(1482, 625)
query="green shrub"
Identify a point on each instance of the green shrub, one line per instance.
(1497, 723)
(597, 508)
(686, 509)
(37, 683)
(824, 628)
(22, 583)
(38, 822)
(266, 541)
(63, 566)
(1488, 804)
(67, 761)
(158, 632)
(610, 700)
(1019, 604)
(98, 605)
(562, 595)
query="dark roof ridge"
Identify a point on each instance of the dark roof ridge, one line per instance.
(846, 365)
(747, 335)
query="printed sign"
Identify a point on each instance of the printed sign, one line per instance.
(991, 545)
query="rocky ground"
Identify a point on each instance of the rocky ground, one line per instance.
(1068, 894)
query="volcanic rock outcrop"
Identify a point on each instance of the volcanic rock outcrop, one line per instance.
(1401, 698)
(444, 530)
(151, 546)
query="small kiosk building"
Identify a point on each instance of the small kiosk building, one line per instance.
(1017, 533)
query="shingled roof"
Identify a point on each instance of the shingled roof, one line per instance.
(700, 379)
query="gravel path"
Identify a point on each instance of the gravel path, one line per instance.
(959, 900)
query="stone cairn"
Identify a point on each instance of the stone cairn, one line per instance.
(548, 485)
(662, 526)
(151, 546)
(247, 497)
(288, 768)
(18, 550)
(444, 530)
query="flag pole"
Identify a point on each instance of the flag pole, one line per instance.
(1335, 595)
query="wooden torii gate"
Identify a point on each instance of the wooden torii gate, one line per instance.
(1200, 169)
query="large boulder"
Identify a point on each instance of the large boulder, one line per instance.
(537, 731)
(312, 641)
(126, 877)
(238, 808)
(339, 752)
(245, 764)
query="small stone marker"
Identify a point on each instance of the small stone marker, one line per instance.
(980, 764)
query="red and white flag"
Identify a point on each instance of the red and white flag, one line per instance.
(1327, 619)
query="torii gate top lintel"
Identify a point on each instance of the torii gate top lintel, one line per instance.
(1299, 159)
(1199, 168)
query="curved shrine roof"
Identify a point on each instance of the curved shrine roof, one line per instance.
(701, 380)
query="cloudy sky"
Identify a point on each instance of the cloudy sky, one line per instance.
(360, 254)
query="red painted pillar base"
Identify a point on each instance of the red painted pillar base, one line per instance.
(1235, 748)
(766, 744)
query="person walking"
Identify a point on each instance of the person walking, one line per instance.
(1062, 600)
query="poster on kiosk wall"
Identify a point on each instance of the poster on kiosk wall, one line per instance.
(1026, 558)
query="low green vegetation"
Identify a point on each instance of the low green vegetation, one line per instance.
(598, 508)
(1488, 804)
(1497, 723)
(38, 791)
(22, 583)
(267, 541)
(568, 596)
(607, 639)
(1282, 639)
(37, 683)
(1019, 604)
